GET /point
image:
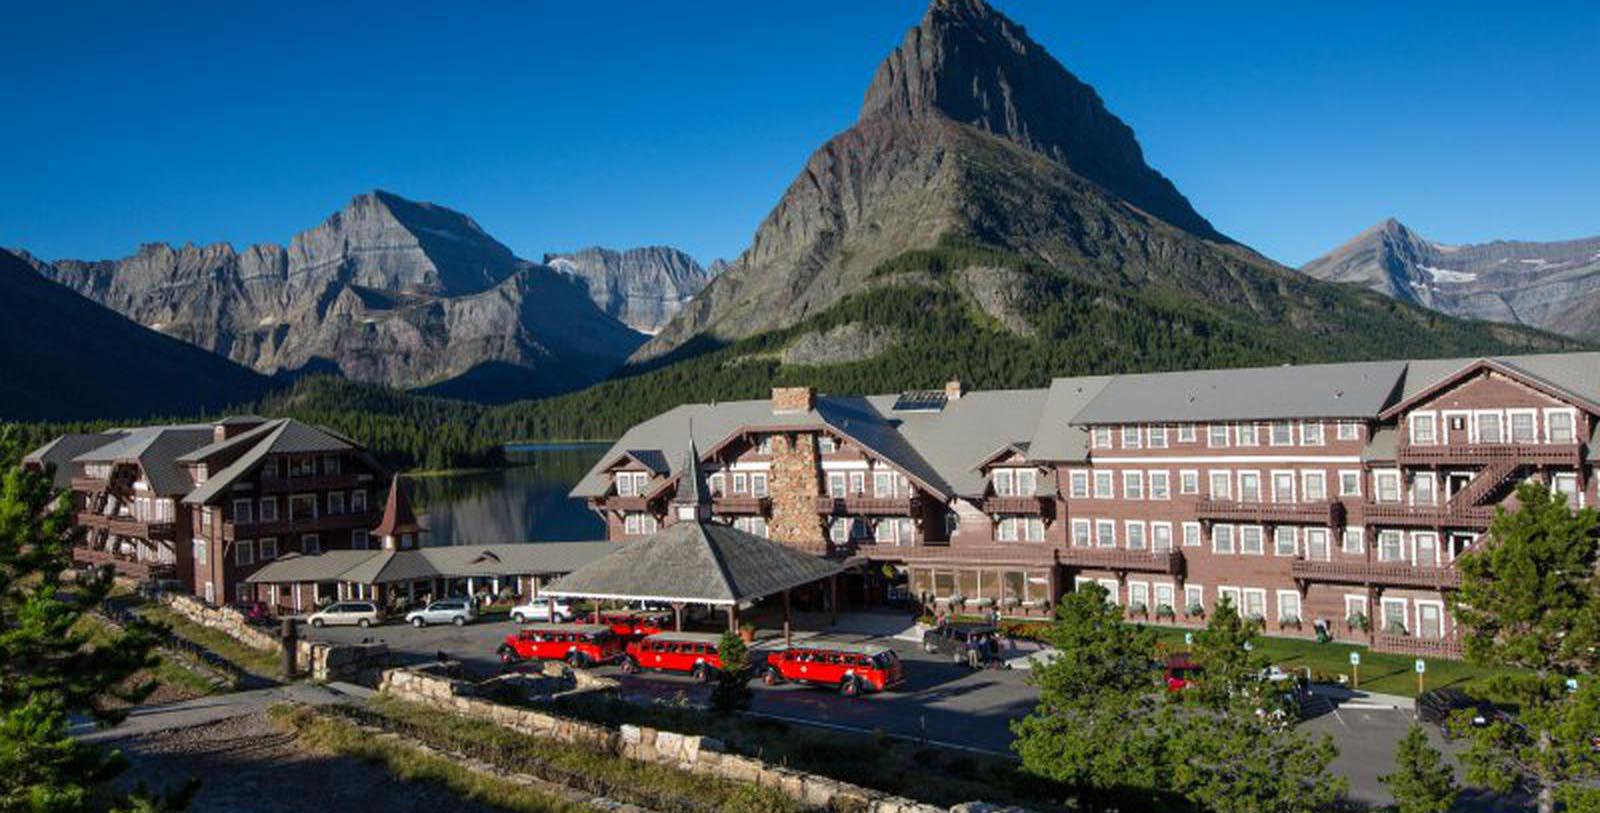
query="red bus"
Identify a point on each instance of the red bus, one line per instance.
(852, 668)
(693, 653)
(580, 645)
(631, 625)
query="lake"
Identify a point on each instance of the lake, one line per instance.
(525, 503)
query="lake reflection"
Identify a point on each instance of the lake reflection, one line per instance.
(527, 503)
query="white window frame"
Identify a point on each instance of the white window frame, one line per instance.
(1423, 418)
(1100, 437)
(1078, 484)
(1189, 482)
(1574, 495)
(1157, 531)
(1246, 595)
(1379, 477)
(246, 516)
(1101, 539)
(1223, 476)
(1388, 535)
(1353, 541)
(1156, 437)
(1438, 606)
(1164, 477)
(1234, 596)
(1220, 532)
(1139, 593)
(1285, 475)
(1217, 436)
(1532, 415)
(1246, 435)
(1416, 556)
(1307, 478)
(1343, 482)
(1193, 594)
(1260, 534)
(1432, 488)
(1194, 539)
(266, 549)
(1135, 479)
(310, 544)
(1251, 476)
(1082, 533)
(1108, 479)
(1294, 596)
(1384, 606)
(1549, 433)
(1308, 547)
(1186, 433)
(1131, 436)
(1134, 530)
(244, 552)
(1287, 427)
(1477, 428)
(1280, 533)
(1356, 603)
(1313, 433)
(1348, 430)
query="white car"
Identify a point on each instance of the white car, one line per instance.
(542, 609)
(359, 613)
(457, 611)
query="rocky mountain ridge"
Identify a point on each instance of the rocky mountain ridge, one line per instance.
(641, 287)
(1553, 286)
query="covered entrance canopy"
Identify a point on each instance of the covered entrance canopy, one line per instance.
(694, 561)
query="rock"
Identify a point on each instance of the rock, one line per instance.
(641, 287)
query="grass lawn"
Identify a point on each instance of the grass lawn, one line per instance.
(174, 680)
(263, 662)
(1380, 672)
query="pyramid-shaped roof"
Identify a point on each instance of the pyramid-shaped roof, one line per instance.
(398, 517)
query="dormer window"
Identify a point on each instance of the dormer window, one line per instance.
(1015, 482)
(631, 483)
(826, 444)
(764, 444)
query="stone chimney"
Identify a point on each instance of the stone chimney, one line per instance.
(953, 390)
(790, 400)
(232, 427)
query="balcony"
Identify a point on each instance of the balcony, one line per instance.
(124, 567)
(861, 505)
(1387, 574)
(285, 527)
(315, 482)
(1420, 647)
(616, 503)
(1477, 454)
(1448, 515)
(1031, 506)
(987, 553)
(741, 504)
(1168, 562)
(90, 484)
(1327, 512)
(127, 526)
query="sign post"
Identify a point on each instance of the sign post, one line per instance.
(1422, 669)
(1355, 670)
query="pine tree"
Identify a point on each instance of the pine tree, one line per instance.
(1422, 781)
(732, 690)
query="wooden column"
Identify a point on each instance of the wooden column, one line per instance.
(677, 617)
(733, 618)
(788, 620)
(833, 600)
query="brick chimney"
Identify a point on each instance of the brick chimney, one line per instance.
(790, 400)
(953, 390)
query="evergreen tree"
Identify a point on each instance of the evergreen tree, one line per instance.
(732, 689)
(48, 668)
(1422, 781)
(1529, 599)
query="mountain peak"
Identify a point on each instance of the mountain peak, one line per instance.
(968, 62)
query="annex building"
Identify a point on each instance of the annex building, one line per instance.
(1334, 496)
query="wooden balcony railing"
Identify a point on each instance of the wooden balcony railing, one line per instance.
(1427, 516)
(315, 482)
(123, 566)
(1326, 512)
(616, 503)
(1468, 454)
(865, 506)
(90, 484)
(127, 526)
(1390, 574)
(288, 527)
(741, 504)
(1168, 562)
(998, 553)
(1419, 647)
(1031, 506)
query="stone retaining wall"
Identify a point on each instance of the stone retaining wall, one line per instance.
(322, 661)
(702, 755)
(223, 619)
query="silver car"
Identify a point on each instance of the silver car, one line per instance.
(457, 611)
(542, 609)
(359, 613)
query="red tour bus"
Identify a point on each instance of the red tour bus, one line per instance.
(694, 653)
(1181, 672)
(853, 668)
(631, 625)
(580, 645)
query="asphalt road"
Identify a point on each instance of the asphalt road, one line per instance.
(942, 703)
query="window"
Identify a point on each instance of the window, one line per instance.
(303, 467)
(1523, 425)
(330, 464)
(1222, 539)
(1110, 586)
(1186, 433)
(1161, 537)
(1081, 533)
(241, 512)
(1130, 437)
(359, 539)
(1394, 616)
(336, 502)
(1424, 429)
(1005, 530)
(1354, 540)
(1191, 534)
(1136, 540)
(302, 506)
(1189, 482)
(1284, 542)
(764, 445)
(1315, 484)
(1255, 603)
(883, 484)
(635, 523)
(1250, 486)
(1560, 426)
(1102, 437)
(1282, 433)
(1132, 485)
(1102, 485)
(1160, 487)
(1251, 540)
(1158, 437)
(310, 544)
(758, 484)
(836, 484)
(741, 483)
(1139, 594)
(1288, 606)
(839, 531)
(826, 444)
(358, 501)
(1078, 481)
(1105, 532)
(1283, 486)
(1426, 548)
(1311, 433)
(1033, 529)
(267, 549)
(1194, 597)
(1388, 485)
(1317, 544)
(1567, 484)
(244, 552)
(1164, 597)
(1430, 619)
(1489, 427)
(1391, 547)
(1027, 483)
(718, 483)
(1349, 430)
(1349, 483)
(1221, 486)
(1217, 436)
(1423, 490)
(1353, 605)
(1245, 434)
(631, 483)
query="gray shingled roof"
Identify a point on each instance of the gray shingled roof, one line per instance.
(698, 563)
(1055, 438)
(457, 561)
(292, 568)
(61, 452)
(1355, 390)
(156, 449)
(283, 436)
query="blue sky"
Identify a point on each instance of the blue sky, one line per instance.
(1291, 126)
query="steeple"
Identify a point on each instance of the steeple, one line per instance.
(398, 530)
(692, 503)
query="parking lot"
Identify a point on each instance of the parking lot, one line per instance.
(940, 702)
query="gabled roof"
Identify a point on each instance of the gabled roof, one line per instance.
(1353, 390)
(695, 562)
(1571, 377)
(388, 567)
(1055, 437)
(156, 450)
(282, 436)
(59, 454)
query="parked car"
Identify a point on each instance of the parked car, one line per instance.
(542, 609)
(1440, 706)
(580, 645)
(851, 668)
(1180, 672)
(346, 613)
(457, 611)
(692, 653)
(631, 625)
(254, 612)
(971, 644)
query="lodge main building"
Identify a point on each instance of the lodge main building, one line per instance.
(1334, 496)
